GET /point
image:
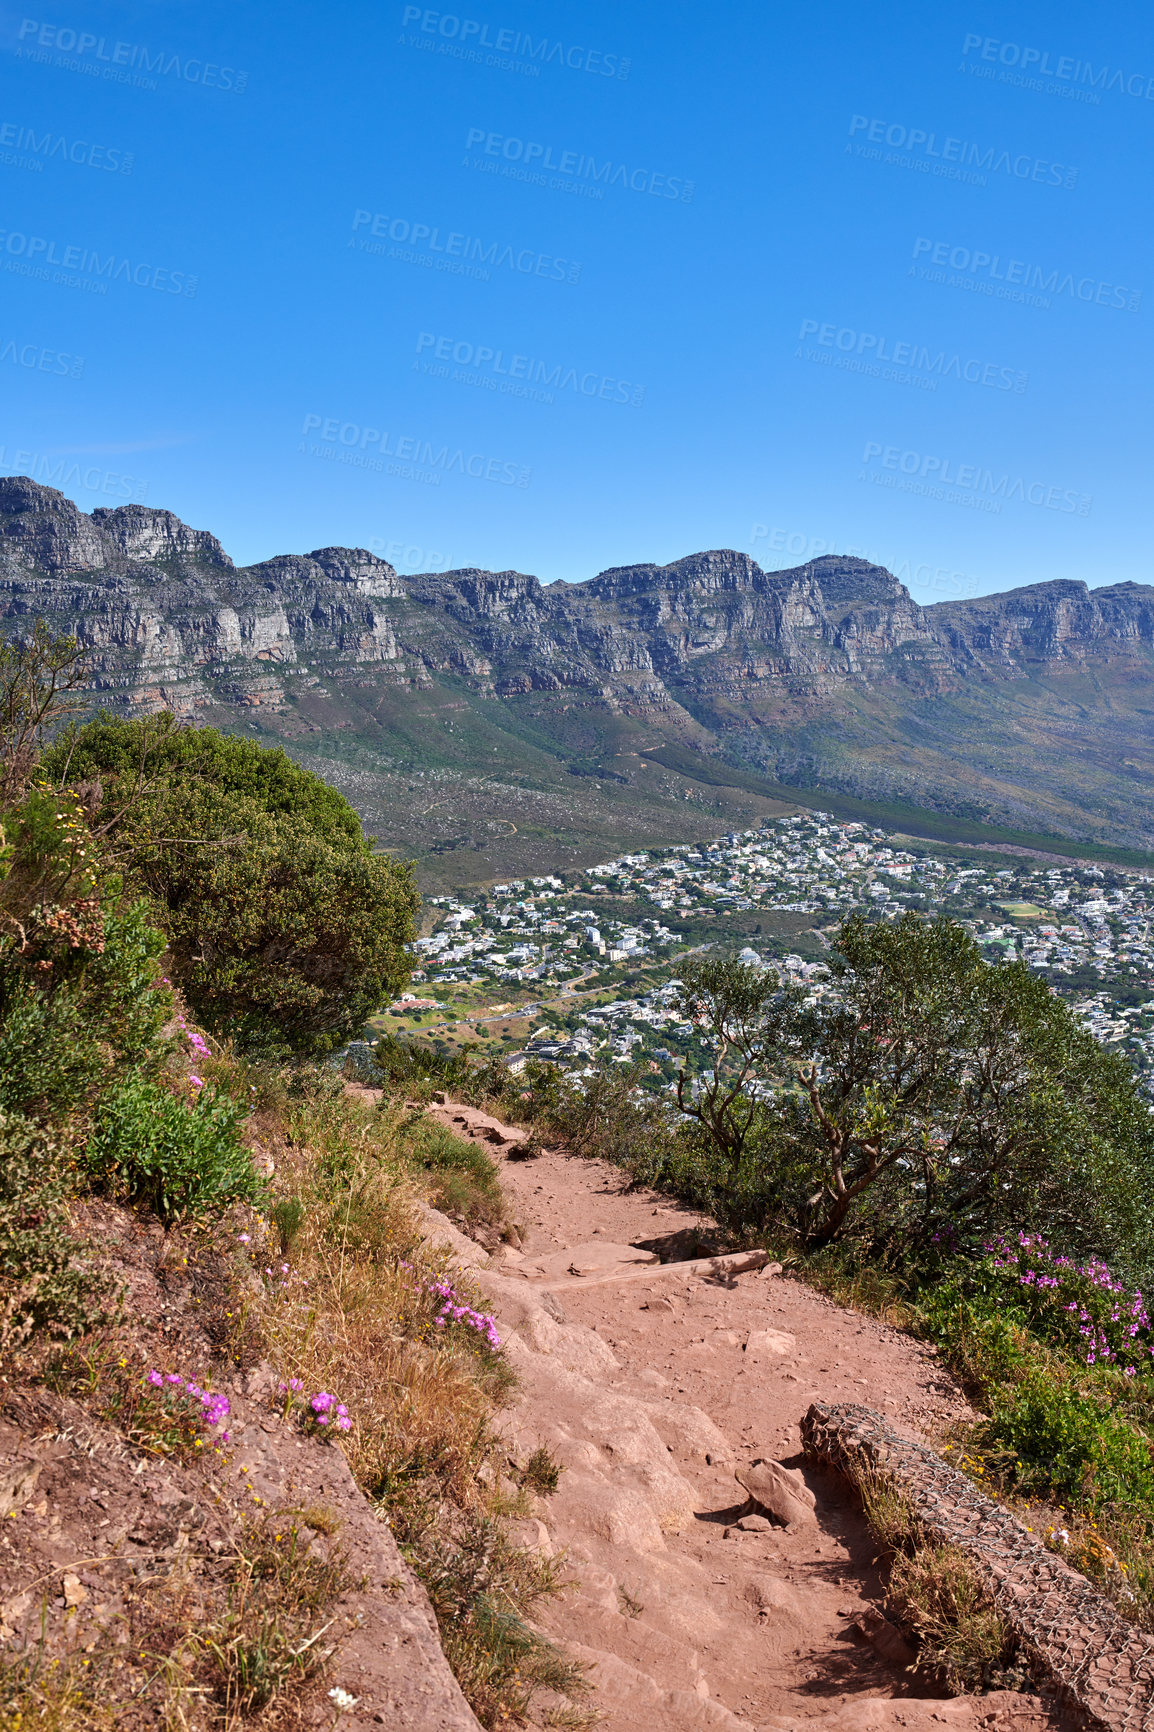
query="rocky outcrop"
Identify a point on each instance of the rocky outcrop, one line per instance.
(166, 616)
(169, 618)
(1097, 1662)
(826, 675)
(1047, 625)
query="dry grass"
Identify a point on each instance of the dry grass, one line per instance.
(359, 1314)
(199, 1648)
(857, 1286)
(270, 1636)
(482, 1587)
(889, 1512)
(365, 1326)
(938, 1597)
(51, 1696)
(963, 1639)
(349, 1298)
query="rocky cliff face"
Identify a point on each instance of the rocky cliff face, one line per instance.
(804, 673)
(170, 619)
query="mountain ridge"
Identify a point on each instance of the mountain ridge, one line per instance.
(1030, 707)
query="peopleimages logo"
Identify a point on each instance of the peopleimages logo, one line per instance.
(37, 359)
(31, 255)
(960, 153)
(1021, 280)
(53, 146)
(53, 471)
(459, 253)
(970, 483)
(472, 33)
(1036, 61)
(520, 375)
(119, 61)
(352, 443)
(576, 163)
(875, 349)
(807, 547)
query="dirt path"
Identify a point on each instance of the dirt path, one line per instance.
(707, 1624)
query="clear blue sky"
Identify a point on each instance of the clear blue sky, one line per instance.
(795, 278)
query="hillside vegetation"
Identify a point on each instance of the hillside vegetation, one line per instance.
(187, 923)
(184, 922)
(938, 1140)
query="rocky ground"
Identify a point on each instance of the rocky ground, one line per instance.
(117, 1559)
(653, 1387)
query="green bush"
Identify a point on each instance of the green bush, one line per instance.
(178, 1159)
(45, 1287)
(930, 1101)
(95, 1011)
(165, 755)
(1055, 1427)
(403, 1067)
(80, 996)
(465, 1179)
(285, 929)
(1066, 1443)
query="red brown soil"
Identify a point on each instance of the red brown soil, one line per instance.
(112, 1550)
(710, 1625)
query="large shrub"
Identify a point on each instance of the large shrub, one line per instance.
(285, 929)
(181, 1159)
(80, 996)
(46, 1288)
(928, 1101)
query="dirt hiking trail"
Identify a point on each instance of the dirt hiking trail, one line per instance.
(652, 1386)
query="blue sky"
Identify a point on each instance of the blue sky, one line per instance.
(560, 287)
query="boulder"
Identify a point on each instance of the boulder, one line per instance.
(887, 1640)
(770, 1344)
(780, 1491)
(689, 1433)
(769, 1594)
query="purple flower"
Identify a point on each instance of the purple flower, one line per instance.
(156, 1380)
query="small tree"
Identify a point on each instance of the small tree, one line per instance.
(748, 1013)
(35, 678)
(286, 929)
(929, 1096)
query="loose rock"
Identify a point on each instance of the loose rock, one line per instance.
(780, 1491)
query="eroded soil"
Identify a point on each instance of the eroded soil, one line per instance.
(651, 1390)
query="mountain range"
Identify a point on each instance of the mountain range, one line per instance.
(706, 684)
